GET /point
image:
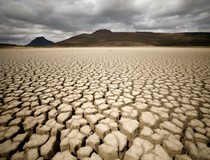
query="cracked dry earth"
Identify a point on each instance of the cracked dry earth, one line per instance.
(105, 103)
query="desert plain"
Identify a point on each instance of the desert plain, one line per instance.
(148, 103)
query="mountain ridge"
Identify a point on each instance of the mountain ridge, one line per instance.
(104, 37)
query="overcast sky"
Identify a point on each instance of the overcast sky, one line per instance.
(23, 20)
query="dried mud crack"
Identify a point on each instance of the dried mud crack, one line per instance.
(105, 104)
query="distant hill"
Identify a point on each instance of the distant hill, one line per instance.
(5, 45)
(40, 42)
(108, 38)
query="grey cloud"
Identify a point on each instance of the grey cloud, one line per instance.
(23, 20)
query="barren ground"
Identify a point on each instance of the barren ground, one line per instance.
(105, 103)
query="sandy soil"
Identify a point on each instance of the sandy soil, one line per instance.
(105, 103)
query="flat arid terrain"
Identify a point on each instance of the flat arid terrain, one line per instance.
(148, 103)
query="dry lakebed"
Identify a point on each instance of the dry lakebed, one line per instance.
(137, 103)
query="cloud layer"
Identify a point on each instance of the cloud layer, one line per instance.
(23, 20)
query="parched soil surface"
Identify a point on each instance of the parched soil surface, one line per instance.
(105, 103)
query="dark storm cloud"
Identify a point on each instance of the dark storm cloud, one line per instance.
(22, 20)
